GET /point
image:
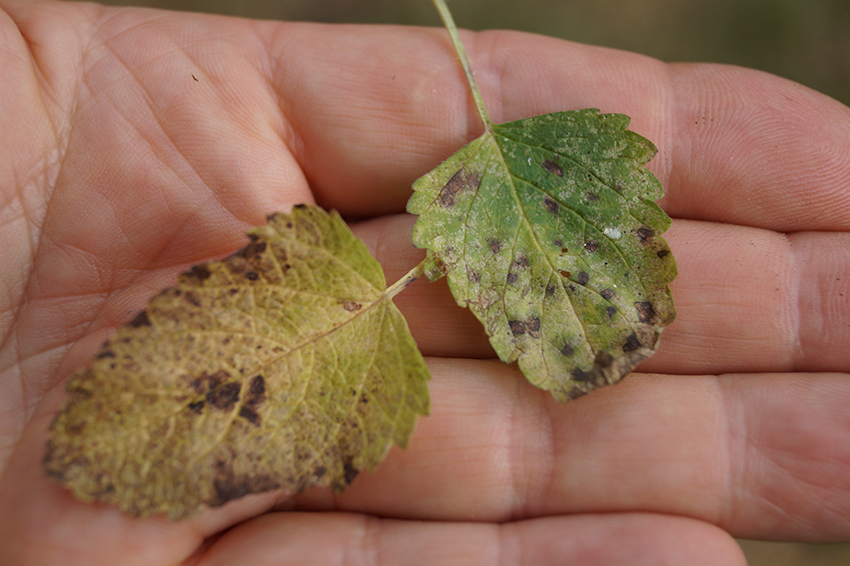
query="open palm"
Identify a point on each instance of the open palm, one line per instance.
(136, 143)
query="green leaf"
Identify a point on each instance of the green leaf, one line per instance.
(547, 230)
(282, 367)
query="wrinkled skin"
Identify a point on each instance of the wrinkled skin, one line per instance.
(120, 170)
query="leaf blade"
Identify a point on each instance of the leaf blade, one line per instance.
(254, 373)
(559, 215)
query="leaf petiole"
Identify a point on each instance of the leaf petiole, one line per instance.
(464, 61)
(403, 283)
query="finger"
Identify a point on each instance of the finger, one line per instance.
(747, 300)
(606, 540)
(765, 455)
(374, 108)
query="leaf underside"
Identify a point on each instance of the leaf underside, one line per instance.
(282, 367)
(547, 230)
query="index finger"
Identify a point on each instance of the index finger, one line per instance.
(373, 108)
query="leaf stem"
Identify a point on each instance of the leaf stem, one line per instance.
(402, 283)
(449, 22)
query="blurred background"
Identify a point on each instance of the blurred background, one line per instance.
(807, 41)
(804, 40)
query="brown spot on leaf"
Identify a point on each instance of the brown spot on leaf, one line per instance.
(551, 205)
(350, 471)
(607, 294)
(564, 273)
(351, 306)
(567, 350)
(521, 262)
(252, 275)
(459, 181)
(192, 299)
(228, 486)
(495, 245)
(106, 354)
(550, 290)
(583, 278)
(474, 276)
(645, 311)
(576, 392)
(512, 277)
(632, 343)
(644, 234)
(663, 253)
(579, 374)
(256, 391)
(610, 311)
(530, 327)
(250, 415)
(553, 167)
(197, 407)
(224, 397)
(591, 246)
(140, 320)
(592, 197)
(200, 272)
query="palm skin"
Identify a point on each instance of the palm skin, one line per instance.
(136, 143)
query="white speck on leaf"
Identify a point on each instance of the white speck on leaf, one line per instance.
(613, 233)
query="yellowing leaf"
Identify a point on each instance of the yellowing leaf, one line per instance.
(282, 367)
(546, 230)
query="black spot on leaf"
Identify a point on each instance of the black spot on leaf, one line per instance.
(512, 277)
(610, 311)
(583, 278)
(256, 391)
(607, 294)
(250, 415)
(551, 205)
(663, 253)
(591, 246)
(567, 350)
(200, 272)
(197, 407)
(579, 374)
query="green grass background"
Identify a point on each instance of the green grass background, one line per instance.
(807, 41)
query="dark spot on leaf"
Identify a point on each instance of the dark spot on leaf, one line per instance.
(319, 472)
(350, 472)
(610, 311)
(632, 343)
(495, 245)
(663, 253)
(200, 272)
(459, 181)
(572, 288)
(289, 225)
(550, 290)
(351, 306)
(579, 374)
(592, 197)
(224, 397)
(252, 275)
(192, 299)
(591, 246)
(607, 294)
(551, 205)
(364, 399)
(197, 407)
(530, 327)
(300, 206)
(512, 277)
(474, 276)
(228, 486)
(583, 278)
(558, 244)
(564, 251)
(106, 354)
(141, 320)
(256, 391)
(553, 168)
(567, 350)
(232, 291)
(521, 262)
(564, 273)
(260, 247)
(645, 311)
(618, 187)
(576, 392)
(250, 415)
(644, 234)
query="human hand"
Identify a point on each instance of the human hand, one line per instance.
(137, 143)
